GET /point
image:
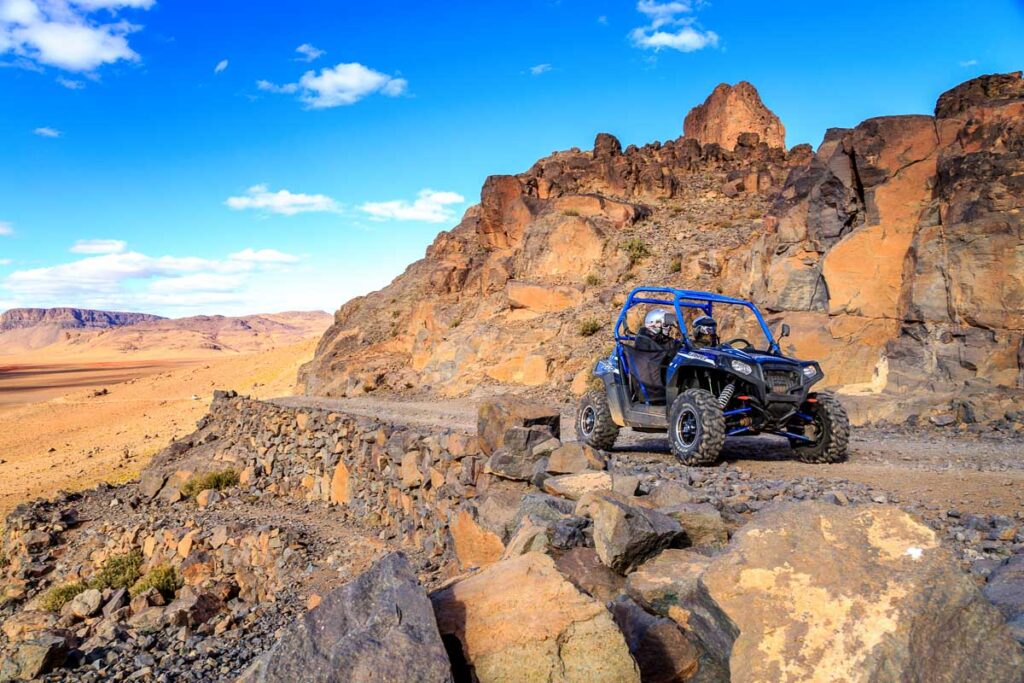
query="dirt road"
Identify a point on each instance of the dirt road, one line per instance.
(943, 470)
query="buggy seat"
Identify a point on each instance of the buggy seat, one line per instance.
(647, 371)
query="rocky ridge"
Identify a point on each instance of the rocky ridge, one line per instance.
(892, 250)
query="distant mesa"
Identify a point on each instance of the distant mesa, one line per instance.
(70, 318)
(728, 112)
(73, 332)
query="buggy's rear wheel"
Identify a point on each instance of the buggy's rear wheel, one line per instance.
(829, 433)
(696, 428)
(594, 425)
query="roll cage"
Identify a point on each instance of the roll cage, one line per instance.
(685, 298)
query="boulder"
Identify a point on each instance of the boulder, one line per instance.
(590, 575)
(662, 651)
(1005, 589)
(857, 594)
(572, 458)
(520, 620)
(30, 659)
(25, 624)
(574, 486)
(520, 456)
(627, 535)
(670, 585)
(193, 608)
(497, 415)
(702, 523)
(666, 493)
(475, 546)
(86, 604)
(379, 627)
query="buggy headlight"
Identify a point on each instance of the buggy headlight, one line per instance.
(741, 367)
(810, 371)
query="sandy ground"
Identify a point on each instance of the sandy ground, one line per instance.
(940, 470)
(78, 439)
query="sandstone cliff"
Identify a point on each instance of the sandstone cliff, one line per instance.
(895, 251)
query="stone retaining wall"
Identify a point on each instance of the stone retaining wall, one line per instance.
(406, 480)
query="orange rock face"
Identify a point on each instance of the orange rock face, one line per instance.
(728, 112)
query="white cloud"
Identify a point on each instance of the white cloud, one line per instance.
(47, 132)
(70, 84)
(98, 247)
(135, 281)
(339, 86)
(263, 256)
(282, 202)
(667, 28)
(603, 20)
(221, 65)
(5, 261)
(6, 229)
(287, 88)
(308, 53)
(540, 69)
(65, 34)
(969, 62)
(429, 206)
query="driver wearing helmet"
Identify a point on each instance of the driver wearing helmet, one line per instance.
(657, 331)
(705, 331)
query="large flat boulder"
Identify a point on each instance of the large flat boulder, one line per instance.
(520, 620)
(379, 627)
(821, 592)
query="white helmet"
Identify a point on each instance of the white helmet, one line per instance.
(659, 321)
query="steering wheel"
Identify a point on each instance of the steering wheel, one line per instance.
(746, 344)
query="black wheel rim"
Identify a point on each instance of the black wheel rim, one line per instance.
(686, 427)
(588, 418)
(816, 429)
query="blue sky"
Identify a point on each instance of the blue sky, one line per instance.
(236, 157)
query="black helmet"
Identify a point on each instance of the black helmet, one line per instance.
(705, 328)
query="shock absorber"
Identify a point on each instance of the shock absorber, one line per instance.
(727, 393)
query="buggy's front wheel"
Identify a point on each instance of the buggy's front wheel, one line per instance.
(696, 428)
(828, 432)
(594, 424)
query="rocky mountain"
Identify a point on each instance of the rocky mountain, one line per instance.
(895, 251)
(68, 333)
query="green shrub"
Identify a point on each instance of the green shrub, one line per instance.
(588, 328)
(636, 250)
(593, 280)
(217, 481)
(676, 265)
(58, 596)
(570, 212)
(164, 578)
(455, 323)
(119, 571)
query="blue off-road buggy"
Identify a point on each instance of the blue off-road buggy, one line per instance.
(702, 390)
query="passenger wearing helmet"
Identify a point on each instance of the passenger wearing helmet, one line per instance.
(657, 331)
(705, 331)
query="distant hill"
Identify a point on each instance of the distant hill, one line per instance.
(70, 318)
(59, 333)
